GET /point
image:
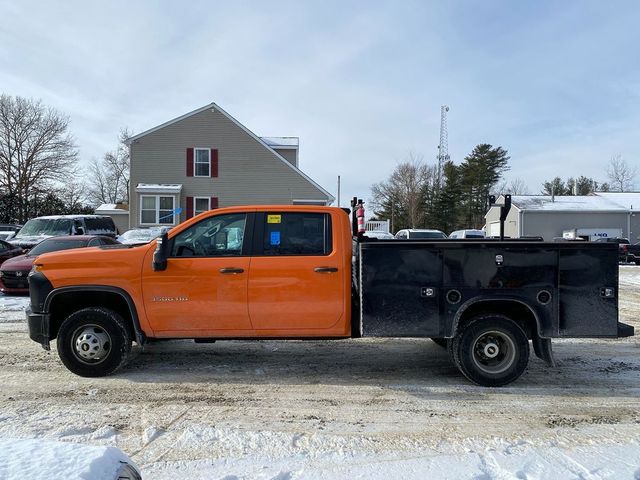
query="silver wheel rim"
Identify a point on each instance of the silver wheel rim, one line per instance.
(493, 352)
(91, 344)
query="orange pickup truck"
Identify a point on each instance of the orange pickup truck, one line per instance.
(300, 272)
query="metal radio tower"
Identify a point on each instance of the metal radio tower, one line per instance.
(443, 147)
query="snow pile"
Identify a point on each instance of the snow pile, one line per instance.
(12, 309)
(47, 460)
(508, 461)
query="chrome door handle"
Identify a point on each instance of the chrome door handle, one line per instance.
(231, 270)
(325, 269)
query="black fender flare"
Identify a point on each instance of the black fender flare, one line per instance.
(481, 299)
(140, 335)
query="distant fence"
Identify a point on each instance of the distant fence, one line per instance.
(377, 226)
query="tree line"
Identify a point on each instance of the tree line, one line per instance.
(414, 197)
(40, 172)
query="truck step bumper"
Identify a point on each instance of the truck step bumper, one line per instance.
(625, 330)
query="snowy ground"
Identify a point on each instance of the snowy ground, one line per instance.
(390, 408)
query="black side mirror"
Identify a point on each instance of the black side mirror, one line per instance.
(162, 253)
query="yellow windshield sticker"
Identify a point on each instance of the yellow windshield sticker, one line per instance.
(274, 218)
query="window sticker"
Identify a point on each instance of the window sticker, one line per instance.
(275, 238)
(274, 218)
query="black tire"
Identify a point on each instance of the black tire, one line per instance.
(492, 350)
(441, 342)
(94, 342)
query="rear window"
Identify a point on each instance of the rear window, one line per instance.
(426, 235)
(54, 245)
(297, 234)
(99, 226)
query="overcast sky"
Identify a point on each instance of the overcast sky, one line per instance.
(361, 83)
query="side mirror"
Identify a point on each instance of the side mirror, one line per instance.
(161, 253)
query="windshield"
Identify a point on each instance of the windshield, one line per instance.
(54, 245)
(46, 226)
(426, 235)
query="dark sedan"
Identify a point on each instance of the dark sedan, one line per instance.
(14, 272)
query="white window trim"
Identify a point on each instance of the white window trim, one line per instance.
(195, 157)
(208, 199)
(157, 209)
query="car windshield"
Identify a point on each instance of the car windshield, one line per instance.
(145, 235)
(426, 235)
(54, 245)
(46, 226)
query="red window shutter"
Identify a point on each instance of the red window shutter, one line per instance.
(189, 207)
(214, 162)
(189, 162)
(214, 203)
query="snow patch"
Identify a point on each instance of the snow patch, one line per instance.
(49, 460)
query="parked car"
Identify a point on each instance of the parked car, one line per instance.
(41, 228)
(418, 233)
(8, 251)
(468, 233)
(8, 230)
(140, 236)
(632, 252)
(379, 235)
(14, 272)
(623, 246)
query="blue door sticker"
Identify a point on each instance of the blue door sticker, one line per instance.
(275, 238)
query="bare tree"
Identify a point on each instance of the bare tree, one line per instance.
(36, 150)
(620, 174)
(404, 195)
(110, 176)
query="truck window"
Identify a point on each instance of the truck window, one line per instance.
(220, 235)
(297, 234)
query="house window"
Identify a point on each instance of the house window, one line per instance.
(202, 162)
(200, 204)
(157, 210)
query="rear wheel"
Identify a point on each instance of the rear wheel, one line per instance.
(94, 342)
(491, 350)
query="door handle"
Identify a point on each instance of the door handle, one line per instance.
(325, 269)
(231, 270)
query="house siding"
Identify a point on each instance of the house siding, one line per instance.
(289, 154)
(248, 172)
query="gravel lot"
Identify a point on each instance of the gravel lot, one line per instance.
(277, 409)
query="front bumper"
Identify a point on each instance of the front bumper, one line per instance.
(38, 328)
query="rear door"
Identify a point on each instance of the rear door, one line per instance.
(296, 281)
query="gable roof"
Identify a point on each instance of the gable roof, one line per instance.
(213, 105)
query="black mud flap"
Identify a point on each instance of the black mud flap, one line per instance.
(625, 330)
(542, 347)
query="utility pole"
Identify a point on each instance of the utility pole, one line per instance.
(443, 146)
(338, 191)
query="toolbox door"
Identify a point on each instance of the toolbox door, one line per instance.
(401, 290)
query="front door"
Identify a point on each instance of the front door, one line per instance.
(296, 283)
(203, 291)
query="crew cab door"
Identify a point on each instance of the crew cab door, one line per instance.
(203, 291)
(296, 282)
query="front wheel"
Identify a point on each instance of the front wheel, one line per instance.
(492, 350)
(94, 342)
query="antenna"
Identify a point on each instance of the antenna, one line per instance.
(443, 147)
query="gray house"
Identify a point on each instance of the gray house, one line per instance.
(549, 217)
(207, 159)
